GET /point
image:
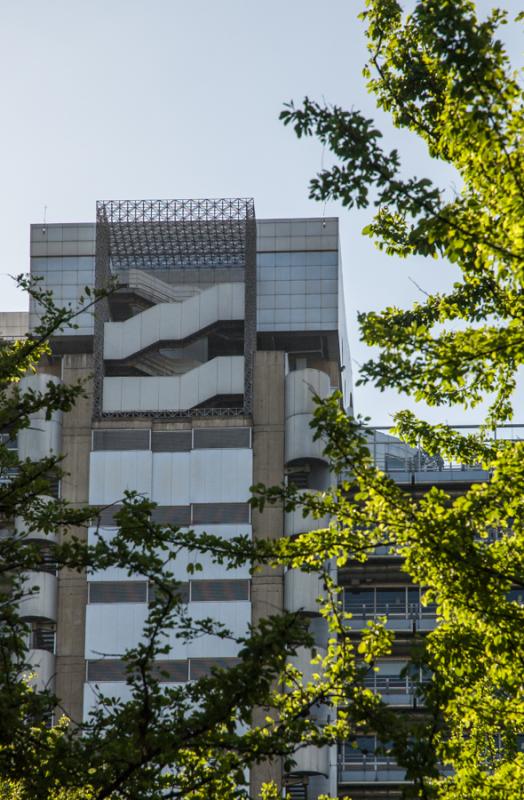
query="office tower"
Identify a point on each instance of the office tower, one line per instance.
(201, 368)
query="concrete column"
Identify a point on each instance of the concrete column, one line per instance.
(267, 592)
(72, 586)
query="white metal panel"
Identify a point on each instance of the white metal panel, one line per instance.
(236, 616)
(111, 633)
(221, 475)
(171, 479)
(112, 472)
(108, 689)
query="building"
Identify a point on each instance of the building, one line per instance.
(200, 369)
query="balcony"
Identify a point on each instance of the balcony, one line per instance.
(401, 605)
(412, 465)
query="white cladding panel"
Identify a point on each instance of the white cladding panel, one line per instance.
(221, 476)
(223, 375)
(113, 628)
(111, 473)
(179, 566)
(108, 689)
(199, 476)
(174, 321)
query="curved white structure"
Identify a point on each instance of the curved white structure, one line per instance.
(311, 760)
(295, 523)
(174, 321)
(303, 659)
(44, 665)
(21, 527)
(223, 375)
(42, 603)
(44, 436)
(301, 387)
(302, 590)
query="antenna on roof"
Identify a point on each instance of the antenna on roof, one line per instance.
(44, 228)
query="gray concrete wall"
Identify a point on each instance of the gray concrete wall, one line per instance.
(72, 586)
(267, 588)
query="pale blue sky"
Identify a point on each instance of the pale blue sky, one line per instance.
(180, 98)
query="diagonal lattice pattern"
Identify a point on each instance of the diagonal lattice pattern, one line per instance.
(167, 234)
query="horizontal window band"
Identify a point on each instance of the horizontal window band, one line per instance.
(117, 439)
(183, 516)
(227, 590)
(111, 670)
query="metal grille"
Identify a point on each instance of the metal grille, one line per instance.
(171, 441)
(201, 667)
(107, 516)
(217, 513)
(110, 669)
(172, 515)
(117, 591)
(205, 438)
(114, 439)
(216, 591)
(43, 637)
(162, 234)
(182, 590)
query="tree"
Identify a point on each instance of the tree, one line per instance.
(445, 76)
(168, 740)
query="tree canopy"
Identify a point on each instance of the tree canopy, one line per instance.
(442, 74)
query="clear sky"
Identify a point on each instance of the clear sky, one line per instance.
(117, 99)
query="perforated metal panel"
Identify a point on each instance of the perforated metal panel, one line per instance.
(109, 669)
(201, 667)
(218, 591)
(208, 438)
(183, 591)
(171, 441)
(114, 439)
(107, 517)
(172, 515)
(220, 513)
(117, 591)
(171, 671)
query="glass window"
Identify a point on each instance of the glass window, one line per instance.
(391, 601)
(359, 601)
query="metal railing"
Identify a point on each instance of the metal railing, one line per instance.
(394, 456)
